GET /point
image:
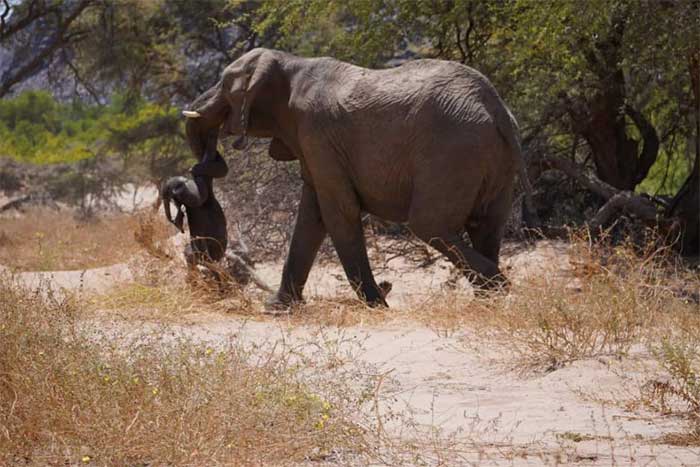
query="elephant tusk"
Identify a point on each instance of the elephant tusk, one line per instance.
(191, 114)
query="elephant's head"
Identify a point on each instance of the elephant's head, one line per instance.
(241, 103)
(171, 191)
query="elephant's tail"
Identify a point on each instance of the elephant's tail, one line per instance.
(508, 127)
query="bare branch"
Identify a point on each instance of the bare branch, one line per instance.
(59, 40)
(627, 201)
(589, 181)
(460, 47)
(650, 150)
(617, 200)
(32, 15)
(88, 87)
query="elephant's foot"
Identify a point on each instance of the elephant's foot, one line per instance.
(280, 303)
(385, 287)
(485, 287)
(379, 301)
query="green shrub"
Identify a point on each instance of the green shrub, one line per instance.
(36, 128)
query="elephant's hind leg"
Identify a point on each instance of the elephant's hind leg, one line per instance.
(442, 229)
(478, 269)
(486, 231)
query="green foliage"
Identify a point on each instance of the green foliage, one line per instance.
(357, 30)
(35, 128)
(541, 55)
(668, 173)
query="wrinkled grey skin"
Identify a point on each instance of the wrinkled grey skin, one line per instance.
(429, 143)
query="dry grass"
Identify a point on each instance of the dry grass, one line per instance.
(47, 240)
(164, 290)
(616, 297)
(69, 396)
(154, 401)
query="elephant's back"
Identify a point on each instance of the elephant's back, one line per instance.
(420, 88)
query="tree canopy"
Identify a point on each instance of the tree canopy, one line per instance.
(609, 86)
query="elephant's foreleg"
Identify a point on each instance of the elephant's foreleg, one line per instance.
(345, 228)
(309, 232)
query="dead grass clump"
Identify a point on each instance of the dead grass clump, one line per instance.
(548, 325)
(67, 396)
(47, 240)
(619, 296)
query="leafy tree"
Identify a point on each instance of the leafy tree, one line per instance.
(608, 82)
(612, 84)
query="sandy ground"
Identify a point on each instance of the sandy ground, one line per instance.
(457, 382)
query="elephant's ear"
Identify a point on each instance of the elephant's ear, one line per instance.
(257, 76)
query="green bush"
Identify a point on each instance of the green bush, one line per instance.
(36, 128)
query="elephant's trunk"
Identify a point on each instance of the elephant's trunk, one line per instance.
(206, 115)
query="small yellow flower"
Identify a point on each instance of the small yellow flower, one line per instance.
(326, 405)
(106, 378)
(155, 391)
(209, 351)
(86, 459)
(135, 380)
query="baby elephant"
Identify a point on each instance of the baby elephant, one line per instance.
(205, 218)
(206, 222)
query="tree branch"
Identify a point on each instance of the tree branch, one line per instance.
(616, 200)
(59, 40)
(650, 149)
(624, 200)
(88, 87)
(458, 32)
(589, 181)
(8, 31)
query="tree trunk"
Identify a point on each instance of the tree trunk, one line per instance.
(686, 204)
(686, 207)
(601, 120)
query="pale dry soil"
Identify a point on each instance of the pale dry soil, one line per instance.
(452, 380)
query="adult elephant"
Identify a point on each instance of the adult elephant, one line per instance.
(430, 143)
